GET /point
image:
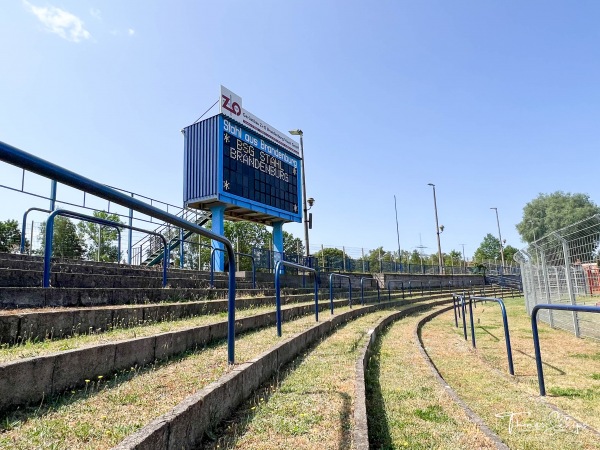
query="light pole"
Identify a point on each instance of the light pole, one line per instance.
(464, 260)
(438, 229)
(500, 236)
(304, 200)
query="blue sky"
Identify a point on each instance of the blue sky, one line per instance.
(494, 102)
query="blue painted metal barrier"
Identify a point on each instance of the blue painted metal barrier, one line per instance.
(212, 266)
(278, 267)
(27, 161)
(511, 368)
(454, 303)
(75, 215)
(339, 275)
(362, 290)
(536, 338)
(25, 223)
(390, 289)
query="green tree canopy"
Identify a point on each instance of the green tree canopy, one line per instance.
(10, 236)
(454, 258)
(551, 212)
(489, 249)
(66, 242)
(292, 245)
(100, 240)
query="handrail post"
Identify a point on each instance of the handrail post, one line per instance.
(331, 292)
(362, 291)
(454, 305)
(472, 323)
(22, 247)
(464, 319)
(509, 356)
(278, 298)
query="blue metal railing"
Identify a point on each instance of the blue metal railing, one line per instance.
(536, 338)
(25, 223)
(278, 267)
(362, 289)
(511, 368)
(390, 290)
(98, 220)
(19, 158)
(339, 275)
(212, 266)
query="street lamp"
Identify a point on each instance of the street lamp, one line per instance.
(500, 236)
(304, 199)
(438, 229)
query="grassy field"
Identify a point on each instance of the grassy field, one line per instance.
(511, 406)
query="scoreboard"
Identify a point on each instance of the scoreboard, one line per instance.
(228, 164)
(256, 175)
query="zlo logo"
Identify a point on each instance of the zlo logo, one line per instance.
(232, 107)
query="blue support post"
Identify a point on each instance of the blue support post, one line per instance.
(278, 269)
(181, 251)
(218, 227)
(536, 338)
(331, 275)
(25, 223)
(511, 368)
(464, 319)
(278, 243)
(53, 185)
(472, 323)
(454, 305)
(130, 236)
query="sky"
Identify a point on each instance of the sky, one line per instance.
(493, 102)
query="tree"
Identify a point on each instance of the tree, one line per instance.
(292, 245)
(245, 237)
(551, 212)
(100, 239)
(10, 236)
(509, 253)
(489, 249)
(333, 258)
(454, 258)
(66, 242)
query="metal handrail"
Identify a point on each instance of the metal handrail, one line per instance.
(362, 290)
(98, 220)
(19, 158)
(25, 223)
(339, 275)
(389, 289)
(536, 338)
(511, 368)
(212, 266)
(278, 267)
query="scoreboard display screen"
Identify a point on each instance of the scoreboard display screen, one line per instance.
(259, 171)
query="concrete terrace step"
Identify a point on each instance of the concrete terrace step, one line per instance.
(33, 278)
(38, 324)
(31, 379)
(37, 297)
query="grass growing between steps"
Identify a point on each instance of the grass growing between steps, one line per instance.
(109, 409)
(406, 405)
(310, 404)
(512, 406)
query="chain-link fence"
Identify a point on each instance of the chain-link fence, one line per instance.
(563, 268)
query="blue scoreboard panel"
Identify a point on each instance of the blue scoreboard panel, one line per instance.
(228, 164)
(256, 175)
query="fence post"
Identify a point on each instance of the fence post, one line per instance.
(547, 286)
(567, 256)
